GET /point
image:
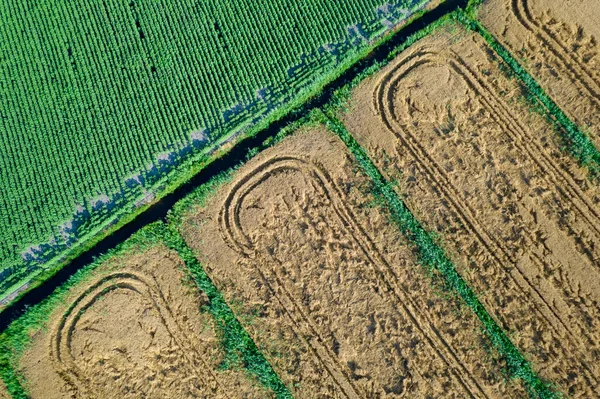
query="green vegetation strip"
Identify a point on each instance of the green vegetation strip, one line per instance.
(576, 141)
(240, 351)
(433, 258)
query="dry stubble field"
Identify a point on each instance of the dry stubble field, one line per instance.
(345, 310)
(520, 219)
(331, 293)
(557, 42)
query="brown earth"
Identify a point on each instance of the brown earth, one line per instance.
(519, 218)
(556, 40)
(328, 289)
(133, 329)
(3, 391)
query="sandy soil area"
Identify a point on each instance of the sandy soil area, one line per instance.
(338, 304)
(556, 40)
(519, 218)
(3, 392)
(132, 330)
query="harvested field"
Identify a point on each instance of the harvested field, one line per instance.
(556, 41)
(132, 329)
(327, 288)
(519, 218)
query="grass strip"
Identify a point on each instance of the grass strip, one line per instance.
(433, 258)
(239, 349)
(575, 141)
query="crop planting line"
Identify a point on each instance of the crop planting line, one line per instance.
(235, 339)
(158, 210)
(550, 171)
(60, 344)
(384, 95)
(429, 168)
(229, 222)
(239, 241)
(466, 215)
(578, 143)
(503, 117)
(580, 74)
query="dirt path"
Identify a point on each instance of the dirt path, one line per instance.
(518, 217)
(556, 40)
(338, 305)
(132, 330)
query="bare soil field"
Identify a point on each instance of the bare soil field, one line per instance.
(133, 329)
(518, 217)
(327, 288)
(556, 40)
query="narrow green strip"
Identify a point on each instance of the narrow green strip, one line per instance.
(576, 141)
(7, 371)
(240, 349)
(433, 258)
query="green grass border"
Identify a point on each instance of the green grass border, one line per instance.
(432, 257)
(575, 141)
(240, 350)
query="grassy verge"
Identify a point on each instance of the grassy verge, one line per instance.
(432, 257)
(239, 349)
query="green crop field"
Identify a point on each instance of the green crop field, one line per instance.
(101, 102)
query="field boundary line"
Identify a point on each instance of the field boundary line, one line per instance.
(239, 350)
(240, 242)
(118, 229)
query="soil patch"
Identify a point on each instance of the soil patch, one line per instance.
(519, 219)
(556, 41)
(3, 391)
(328, 289)
(132, 329)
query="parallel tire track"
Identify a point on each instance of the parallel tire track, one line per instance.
(383, 103)
(60, 343)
